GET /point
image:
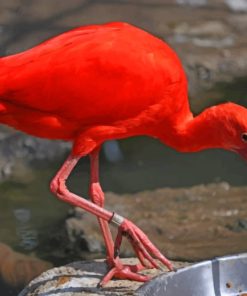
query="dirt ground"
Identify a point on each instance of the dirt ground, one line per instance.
(189, 224)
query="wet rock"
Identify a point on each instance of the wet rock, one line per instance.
(82, 278)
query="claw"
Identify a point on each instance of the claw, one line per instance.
(128, 272)
(143, 247)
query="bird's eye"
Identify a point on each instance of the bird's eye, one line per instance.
(244, 137)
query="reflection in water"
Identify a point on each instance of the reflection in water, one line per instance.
(112, 151)
(28, 236)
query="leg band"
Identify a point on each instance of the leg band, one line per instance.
(116, 219)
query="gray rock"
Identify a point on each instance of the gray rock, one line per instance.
(78, 232)
(16, 147)
(192, 2)
(82, 278)
(237, 5)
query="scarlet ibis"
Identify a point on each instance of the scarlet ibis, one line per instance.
(103, 82)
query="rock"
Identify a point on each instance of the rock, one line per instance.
(82, 278)
(192, 2)
(237, 5)
(80, 235)
(206, 28)
(18, 151)
(195, 217)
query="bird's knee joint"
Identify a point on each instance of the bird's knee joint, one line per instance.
(58, 187)
(97, 194)
(95, 187)
(53, 186)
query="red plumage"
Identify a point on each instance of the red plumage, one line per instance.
(90, 76)
(110, 81)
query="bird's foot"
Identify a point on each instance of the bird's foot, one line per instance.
(143, 247)
(122, 271)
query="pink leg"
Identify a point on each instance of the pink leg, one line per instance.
(59, 188)
(97, 197)
(140, 242)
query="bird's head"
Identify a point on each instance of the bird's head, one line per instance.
(221, 126)
(233, 127)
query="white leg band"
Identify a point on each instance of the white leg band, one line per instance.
(116, 219)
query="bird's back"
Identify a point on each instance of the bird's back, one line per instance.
(92, 75)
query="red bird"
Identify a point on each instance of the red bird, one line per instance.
(111, 81)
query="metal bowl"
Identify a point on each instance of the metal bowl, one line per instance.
(218, 277)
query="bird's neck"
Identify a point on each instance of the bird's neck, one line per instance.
(198, 132)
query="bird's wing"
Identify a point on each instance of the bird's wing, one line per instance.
(38, 78)
(94, 74)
